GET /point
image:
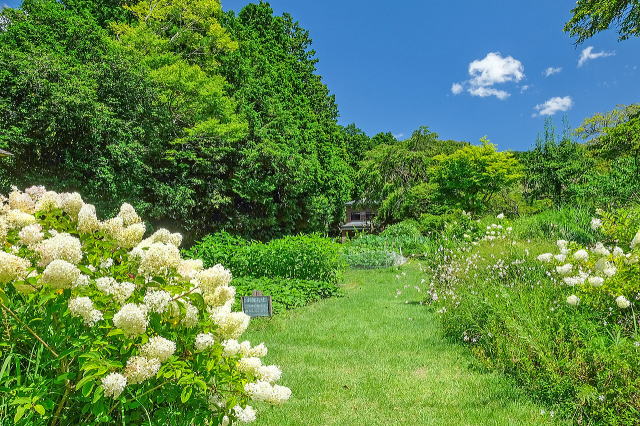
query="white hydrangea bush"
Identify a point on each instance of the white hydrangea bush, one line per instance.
(605, 275)
(127, 329)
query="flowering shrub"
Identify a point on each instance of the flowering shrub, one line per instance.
(604, 276)
(561, 323)
(100, 324)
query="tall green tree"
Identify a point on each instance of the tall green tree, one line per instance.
(395, 174)
(553, 166)
(180, 42)
(589, 17)
(471, 176)
(293, 174)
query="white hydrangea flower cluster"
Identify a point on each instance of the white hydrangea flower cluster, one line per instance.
(119, 291)
(31, 235)
(60, 274)
(158, 347)
(114, 384)
(157, 300)
(131, 319)
(83, 307)
(56, 260)
(61, 246)
(593, 266)
(140, 368)
(266, 392)
(204, 341)
(231, 325)
(12, 267)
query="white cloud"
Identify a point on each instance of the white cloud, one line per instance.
(483, 92)
(553, 105)
(551, 71)
(524, 88)
(489, 71)
(398, 136)
(494, 69)
(588, 54)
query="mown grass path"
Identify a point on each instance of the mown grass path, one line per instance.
(375, 357)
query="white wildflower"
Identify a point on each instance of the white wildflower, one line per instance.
(596, 223)
(560, 257)
(500, 216)
(636, 240)
(601, 250)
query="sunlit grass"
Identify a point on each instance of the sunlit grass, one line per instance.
(375, 357)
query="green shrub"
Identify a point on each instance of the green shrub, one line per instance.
(286, 293)
(404, 229)
(303, 257)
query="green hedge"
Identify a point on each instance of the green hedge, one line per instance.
(302, 257)
(286, 293)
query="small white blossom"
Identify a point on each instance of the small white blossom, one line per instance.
(622, 302)
(573, 300)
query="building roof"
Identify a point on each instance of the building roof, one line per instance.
(356, 224)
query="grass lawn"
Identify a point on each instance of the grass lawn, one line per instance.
(375, 357)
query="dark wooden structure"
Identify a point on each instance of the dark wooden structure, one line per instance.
(358, 218)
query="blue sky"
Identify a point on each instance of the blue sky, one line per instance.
(392, 65)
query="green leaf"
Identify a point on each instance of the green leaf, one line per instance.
(19, 413)
(186, 394)
(39, 409)
(87, 388)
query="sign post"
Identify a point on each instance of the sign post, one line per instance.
(257, 305)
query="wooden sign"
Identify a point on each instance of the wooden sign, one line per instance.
(257, 305)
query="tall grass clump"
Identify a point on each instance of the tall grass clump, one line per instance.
(101, 326)
(558, 316)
